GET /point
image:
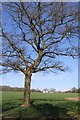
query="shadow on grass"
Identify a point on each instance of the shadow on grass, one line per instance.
(43, 111)
(48, 99)
(50, 111)
(40, 110)
(10, 105)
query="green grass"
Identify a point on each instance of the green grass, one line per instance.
(45, 105)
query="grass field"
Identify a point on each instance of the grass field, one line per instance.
(45, 105)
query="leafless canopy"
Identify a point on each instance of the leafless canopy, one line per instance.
(36, 34)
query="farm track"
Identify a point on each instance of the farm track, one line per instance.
(73, 98)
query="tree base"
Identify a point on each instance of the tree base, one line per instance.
(26, 105)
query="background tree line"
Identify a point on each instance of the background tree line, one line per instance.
(16, 89)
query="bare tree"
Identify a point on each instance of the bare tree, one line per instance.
(41, 33)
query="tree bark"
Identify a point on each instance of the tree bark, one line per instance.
(26, 102)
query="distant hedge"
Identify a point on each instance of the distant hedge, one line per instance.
(8, 88)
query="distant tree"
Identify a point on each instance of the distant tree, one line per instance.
(68, 91)
(45, 90)
(33, 90)
(35, 36)
(74, 90)
(78, 90)
(52, 90)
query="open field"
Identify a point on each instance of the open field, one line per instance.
(44, 105)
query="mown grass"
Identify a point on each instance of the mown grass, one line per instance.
(45, 105)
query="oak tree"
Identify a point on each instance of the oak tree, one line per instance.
(35, 35)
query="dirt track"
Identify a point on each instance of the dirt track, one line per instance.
(73, 98)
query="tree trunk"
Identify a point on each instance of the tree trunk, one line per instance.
(26, 102)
